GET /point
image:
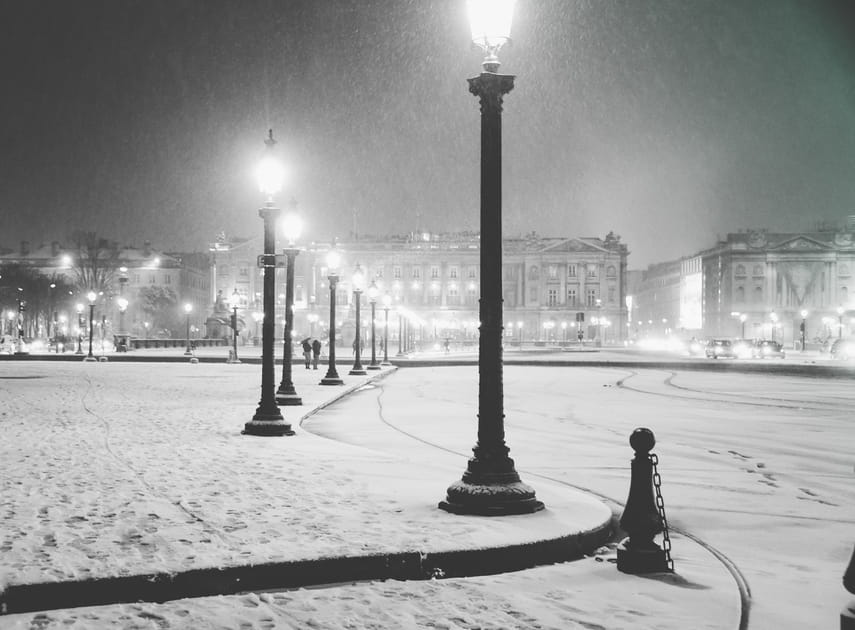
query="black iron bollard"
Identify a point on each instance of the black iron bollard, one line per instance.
(847, 615)
(641, 518)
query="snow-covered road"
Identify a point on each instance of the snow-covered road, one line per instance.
(758, 466)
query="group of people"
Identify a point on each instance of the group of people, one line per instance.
(311, 352)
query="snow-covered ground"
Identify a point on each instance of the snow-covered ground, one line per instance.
(115, 469)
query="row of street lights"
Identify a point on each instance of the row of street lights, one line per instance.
(490, 485)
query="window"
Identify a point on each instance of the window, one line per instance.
(473, 273)
(135, 278)
(571, 271)
(843, 270)
(592, 271)
(758, 295)
(532, 294)
(553, 272)
(552, 297)
(417, 273)
(151, 279)
(844, 294)
(740, 270)
(571, 297)
(471, 296)
(758, 270)
(167, 278)
(740, 294)
(452, 273)
(591, 297)
(396, 272)
(453, 295)
(533, 273)
(611, 295)
(379, 273)
(243, 272)
(611, 272)
(434, 272)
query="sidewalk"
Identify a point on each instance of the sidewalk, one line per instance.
(124, 481)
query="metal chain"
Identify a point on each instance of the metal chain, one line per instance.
(660, 505)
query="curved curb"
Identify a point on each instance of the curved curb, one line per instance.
(408, 565)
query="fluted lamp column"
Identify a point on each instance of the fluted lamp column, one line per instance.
(491, 485)
(268, 420)
(358, 279)
(373, 292)
(333, 261)
(91, 296)
(387, 302)
(292, 226)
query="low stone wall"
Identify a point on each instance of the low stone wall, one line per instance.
(137, 344)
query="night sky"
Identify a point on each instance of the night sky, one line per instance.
(667, 121)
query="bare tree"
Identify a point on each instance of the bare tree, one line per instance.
(96, 261)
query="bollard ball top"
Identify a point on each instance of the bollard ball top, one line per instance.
(642, 440)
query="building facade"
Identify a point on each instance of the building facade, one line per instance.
(433, 281)
(760, 284)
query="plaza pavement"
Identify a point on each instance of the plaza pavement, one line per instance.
(130, 482)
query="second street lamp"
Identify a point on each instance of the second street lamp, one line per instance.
(387, 302)
(187, 309)
(802, 328)
(292, 225)
(268, 420)
(79, 308)
(234, 302)
(358, 279)
(91, 296)
(491, 485)
(333, 261)
(373, 292)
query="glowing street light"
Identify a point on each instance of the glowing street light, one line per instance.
(387, 302)
(333, 262)
(234, 303)
(188, 308)
(268, 420)
(491, 485)
(292, 227)
(840, 311)
(357, 280)
(373, 292)
(91, 296)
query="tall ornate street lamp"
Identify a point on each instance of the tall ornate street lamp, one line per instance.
(333, 261)
(387, 302)
(268, 420)
(803, 326)
(357, 280)
(373, 292)
(79, 308)
(188, 308)
(234, 302)
(122, 345)
(400, 333)
(91, 296)
(840, 311)
(292, 226)
(491, 484)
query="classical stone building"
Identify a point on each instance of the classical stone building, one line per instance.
(761, 284)
(433, 281)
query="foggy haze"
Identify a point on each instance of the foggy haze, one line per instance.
(667, 121)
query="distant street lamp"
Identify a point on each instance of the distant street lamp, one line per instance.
(373, 292)
(774, 317)
(187, 310)
(387, 302)
(91, 296)
(268, 420)
(79, 308)
(313, 319)
(840, 311)
(400, 333)
(519, 331)
(333, 261)
(802, 327)
(357, 280)
(564, 331)
(234, 302)
(491, 485)
(742, 319)
(123, 336)
(292, 226)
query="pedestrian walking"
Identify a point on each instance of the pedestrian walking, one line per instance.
(307, 351)
(316, 352)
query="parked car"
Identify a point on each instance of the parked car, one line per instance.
(720, 349)
(742, 348)
(7, 344)
(766, 348)
(843, 349)
(695, 347)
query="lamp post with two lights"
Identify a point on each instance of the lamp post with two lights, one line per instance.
(373, 292)
(292, 226)
(91, 296)
(357, 280)
(387, 302)
(333, 261)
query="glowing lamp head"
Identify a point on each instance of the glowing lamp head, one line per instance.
(804, 313)
(358, 278)
(234, 299)
(387, 300)
(92, 296)
(270, 174)
(333, 261)
(840, 310)
(79, 308)
(122, 303)
(490, 21)
(373, 291)
(188, 308)
(292, 226)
